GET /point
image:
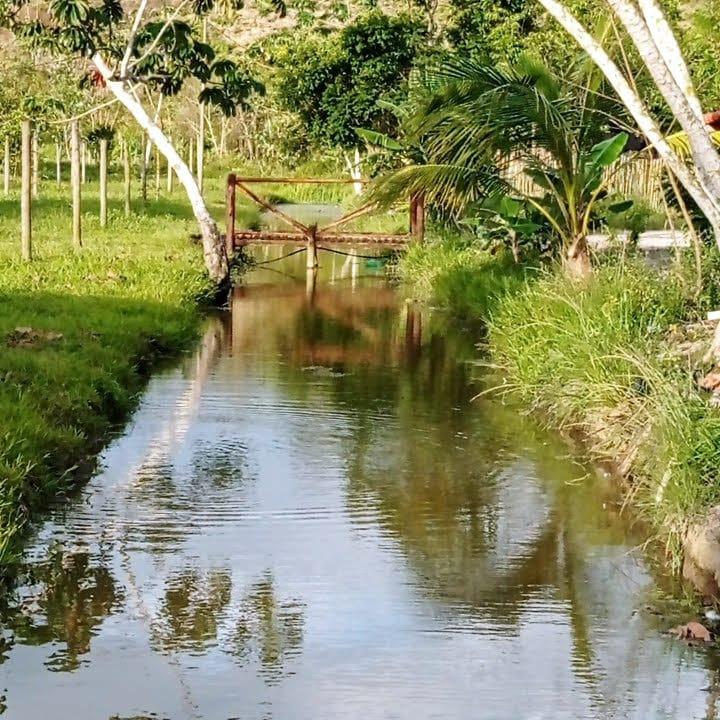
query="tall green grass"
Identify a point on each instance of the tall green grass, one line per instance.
(597, 359)
(458, 275)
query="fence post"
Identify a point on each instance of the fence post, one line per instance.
(26, 191)
(6, 168)
(127, 178)
(169, 176)
(58, 163)
(83, 162)
(103, 181)
(417, 216)
(312, 261)
(230, 216)
(76, 180)
(35, 165)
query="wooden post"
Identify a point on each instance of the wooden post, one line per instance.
(190, 155)
(58, 163)
(147, 150)
(201, 126)
(127, 178)
(26, 191)
(76, 180)
(312, 261)
(230, 216)
(83, 161)
(103, 181)
(6, 168)
(201, 148)
(169, 176)
(35, 166)
(417, 217)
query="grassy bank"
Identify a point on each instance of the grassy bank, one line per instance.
(612, 361)
(79, 331)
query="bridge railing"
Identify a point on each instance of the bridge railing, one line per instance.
(312, 234)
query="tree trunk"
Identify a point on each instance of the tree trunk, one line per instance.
(213, 246)
(637, 109)
(706, 158)
(577, 258)
(76, 179)
(26, 192)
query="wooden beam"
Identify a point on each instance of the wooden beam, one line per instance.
(300, 180)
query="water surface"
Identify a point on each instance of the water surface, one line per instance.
(309, 519)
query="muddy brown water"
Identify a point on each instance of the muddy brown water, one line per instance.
(310, 519)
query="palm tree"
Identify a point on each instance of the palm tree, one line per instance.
(476, 123)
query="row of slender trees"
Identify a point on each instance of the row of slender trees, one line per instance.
(30, 161)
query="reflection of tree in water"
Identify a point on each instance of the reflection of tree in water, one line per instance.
(191, 610)
(63, 599)
(268, 631)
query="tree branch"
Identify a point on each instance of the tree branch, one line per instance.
(159, 36)
(131, 39)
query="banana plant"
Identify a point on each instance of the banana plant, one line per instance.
(478, 124)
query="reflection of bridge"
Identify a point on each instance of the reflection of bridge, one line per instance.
(327, 326)
(312, 235)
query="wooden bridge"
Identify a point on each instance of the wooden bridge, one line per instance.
(313, 236)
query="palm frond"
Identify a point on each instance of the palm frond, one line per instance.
(452, 187)
(680, 142)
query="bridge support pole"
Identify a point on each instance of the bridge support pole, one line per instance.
(312, 261)
(417, 217)
(230, 216)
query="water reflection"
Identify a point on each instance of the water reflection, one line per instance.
(268, 631)
(61, 602)
(310, 519)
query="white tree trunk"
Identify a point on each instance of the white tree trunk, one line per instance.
(213, 246)
(666, 43)
(637, 109)
(706, 158)
(355, 170)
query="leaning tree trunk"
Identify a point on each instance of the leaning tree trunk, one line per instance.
(636, 107)
(216, 259)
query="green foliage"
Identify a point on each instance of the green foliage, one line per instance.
(477, 119)
(334, 83)
(493, 32)
(164, 53)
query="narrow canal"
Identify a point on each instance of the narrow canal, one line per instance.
(310, 519)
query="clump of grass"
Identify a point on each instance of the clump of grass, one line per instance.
(460, 276)
(595, 359)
